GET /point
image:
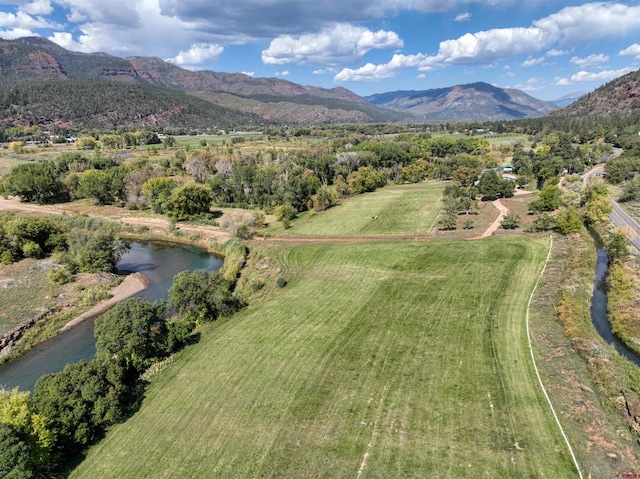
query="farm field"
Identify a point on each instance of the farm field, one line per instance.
(377, 360)
(399, 210)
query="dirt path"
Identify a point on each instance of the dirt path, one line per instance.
(496, 224)
(132, 284)
(159, 225)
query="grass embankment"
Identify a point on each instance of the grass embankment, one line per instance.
(376, 360)
(393, 210)
(585, 378)
(624, 301)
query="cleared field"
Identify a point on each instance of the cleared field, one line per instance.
(399, 210)
(377, 360)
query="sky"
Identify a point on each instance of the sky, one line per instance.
(547, 48)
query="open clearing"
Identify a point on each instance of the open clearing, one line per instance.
(393, 210)
(377, 360)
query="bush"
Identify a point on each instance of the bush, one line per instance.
(59, 276)
(281, 282)
(510, 222)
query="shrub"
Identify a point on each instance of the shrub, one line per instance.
(510, 222)
(59, 276)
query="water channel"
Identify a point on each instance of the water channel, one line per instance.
(599, 316)
(158, 262)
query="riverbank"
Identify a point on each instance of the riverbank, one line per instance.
(589, 384)
(132, 284)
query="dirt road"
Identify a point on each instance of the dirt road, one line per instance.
(158, 224)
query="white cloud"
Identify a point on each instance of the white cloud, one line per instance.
(603, 76)
(556, 53)
(463, 17)
(569, 26)
(590, 61)
(371, 72)
(24, 21)
(15, 33)
(197, 55)
(575, 25)
(563, 82)
(532, 84)
(530, 62)
(38, 7)
(322, 71)
(249, 74)
(421, 76)
(338, 44)
(584, 76)
(282, 74)
(632, 50)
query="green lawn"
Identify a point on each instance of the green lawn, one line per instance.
(377, 360)
(400, 210)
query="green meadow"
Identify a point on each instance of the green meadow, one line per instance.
(377, 360)
(393, 210)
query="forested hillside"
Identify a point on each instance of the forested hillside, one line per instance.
(107, 104)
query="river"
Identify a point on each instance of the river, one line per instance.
(158, 262)
(599, 315)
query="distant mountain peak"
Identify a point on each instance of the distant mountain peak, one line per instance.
(477, 101)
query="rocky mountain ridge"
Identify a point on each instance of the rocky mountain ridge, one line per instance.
(471, 102)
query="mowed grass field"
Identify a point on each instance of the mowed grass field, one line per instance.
(400, 210)
(377, 360)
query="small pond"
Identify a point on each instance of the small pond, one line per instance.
(158, 262)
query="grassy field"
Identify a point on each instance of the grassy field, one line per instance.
(25, 293)
(377, 360)
(400, 210)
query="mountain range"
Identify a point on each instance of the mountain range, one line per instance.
(42, 83)
(472, 102)
(267, 99)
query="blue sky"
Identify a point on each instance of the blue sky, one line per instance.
(547, 48)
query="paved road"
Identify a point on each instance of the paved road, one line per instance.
(618, 216)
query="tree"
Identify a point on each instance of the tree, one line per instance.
(597, 210)
(489, 184)
(189, 200)
(169, 141)
(324, 198)
(465, 176)
(33, 429)
(201, 296)
(448, 221)
(239, 223)
(35, 182)
(92, 250)
(616, 246)
(15, 454)
(569, 221)
(86, 143)
(96, 184)
(158, 191)
(132, 331)
(82, 400)
(510, 222)
(548, 199)
(198, 168)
